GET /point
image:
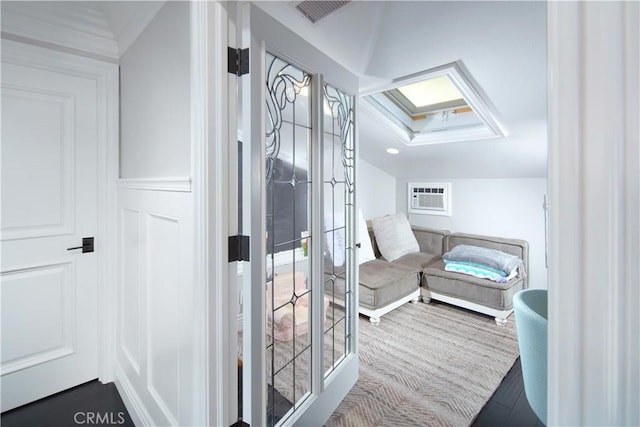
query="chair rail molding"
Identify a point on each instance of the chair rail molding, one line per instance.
(594, 187)
(180, 184)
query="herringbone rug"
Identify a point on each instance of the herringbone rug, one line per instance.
(427, 365)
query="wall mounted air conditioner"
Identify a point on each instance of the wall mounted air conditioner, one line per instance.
(429, 198)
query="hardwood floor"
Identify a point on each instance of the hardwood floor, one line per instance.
(91, 403)
(508, 406)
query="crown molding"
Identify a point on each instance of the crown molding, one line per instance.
(73, 26)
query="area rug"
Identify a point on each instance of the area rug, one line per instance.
(427, 365)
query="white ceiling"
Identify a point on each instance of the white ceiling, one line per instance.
(503, 44)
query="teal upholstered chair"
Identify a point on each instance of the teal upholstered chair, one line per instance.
(530, 307)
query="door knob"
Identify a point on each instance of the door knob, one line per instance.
(87, 245)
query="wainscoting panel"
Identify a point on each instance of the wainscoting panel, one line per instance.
(155, 357)
(130, 281)
(163, 298)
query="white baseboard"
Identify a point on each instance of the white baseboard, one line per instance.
(137, 411)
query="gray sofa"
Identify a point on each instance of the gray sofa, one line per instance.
(384, 285)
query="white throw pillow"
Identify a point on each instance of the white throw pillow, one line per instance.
(366, 250)
(394, 236)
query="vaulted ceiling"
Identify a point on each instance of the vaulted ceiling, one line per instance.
(503, 44)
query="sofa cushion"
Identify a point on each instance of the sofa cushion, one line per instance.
(430, 240)
(394, 236)
(479, 291)
(381, 283)
(418, 259)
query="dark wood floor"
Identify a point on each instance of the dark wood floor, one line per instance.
(508, 406)
(91, 403)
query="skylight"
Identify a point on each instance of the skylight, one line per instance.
(431, 92)
(444, 104)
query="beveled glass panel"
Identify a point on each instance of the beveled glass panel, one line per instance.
(294, 153)
(282, 231)
(338, 152)
(302, 110)
(288, 248)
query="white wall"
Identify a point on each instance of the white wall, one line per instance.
(157, 370)
(497, 207)
(376, 191)
(155, 98)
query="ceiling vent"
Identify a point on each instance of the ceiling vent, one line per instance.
(316, 10)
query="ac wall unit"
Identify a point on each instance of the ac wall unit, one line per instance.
(430, 198)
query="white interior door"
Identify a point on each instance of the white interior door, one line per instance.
(49, 204)
(300, 318)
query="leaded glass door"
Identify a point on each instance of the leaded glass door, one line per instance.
(297, 109)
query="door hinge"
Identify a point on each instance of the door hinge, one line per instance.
(238, 248)
(238, 60)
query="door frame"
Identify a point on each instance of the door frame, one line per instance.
(210, 142)
(594, 164)
(106, 77)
